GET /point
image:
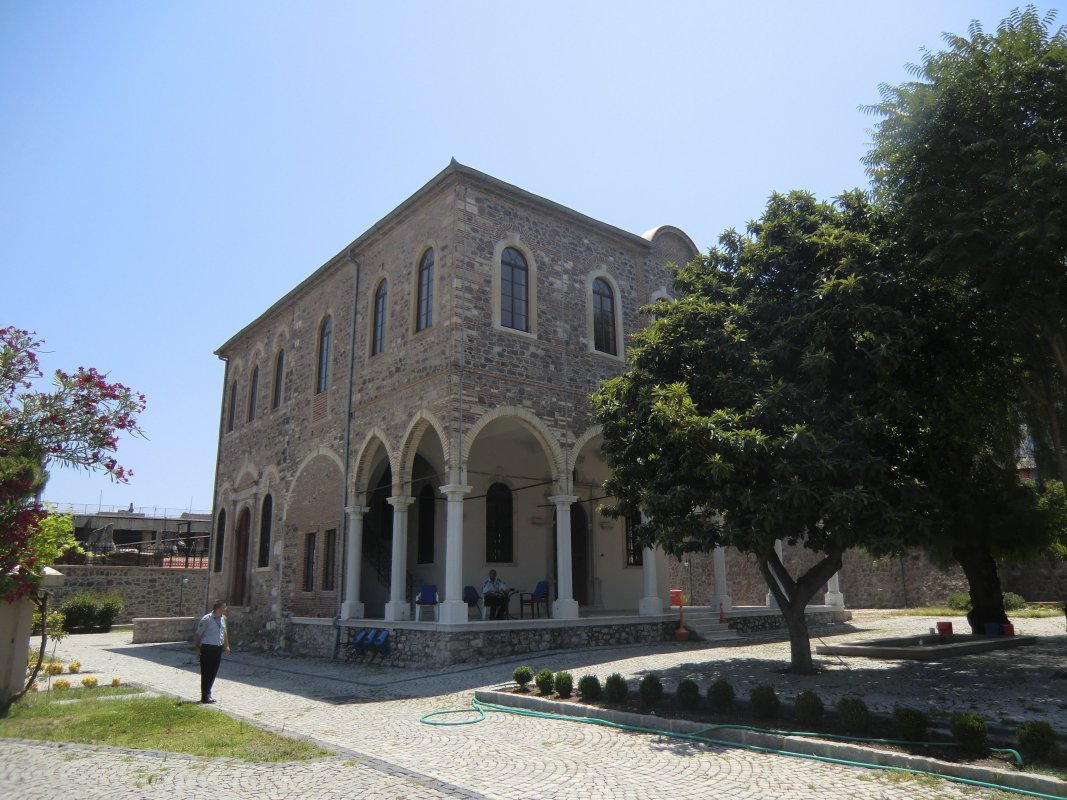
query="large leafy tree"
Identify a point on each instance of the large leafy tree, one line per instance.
(767, 403)
(973, 154)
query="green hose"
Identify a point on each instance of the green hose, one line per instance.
(480, 708)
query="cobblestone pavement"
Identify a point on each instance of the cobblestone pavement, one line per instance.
(370, 716)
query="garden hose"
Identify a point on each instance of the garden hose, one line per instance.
(480, 707)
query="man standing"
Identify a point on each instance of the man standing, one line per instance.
(494, 595)
(211, 640)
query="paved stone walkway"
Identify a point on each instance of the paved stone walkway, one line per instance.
(370, 717)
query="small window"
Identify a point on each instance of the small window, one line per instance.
(309, 562)
(424, 311)
(322, 376)
(498, 524)
(378, 332)
(220, 540)
(604, 317)
(635, 552)
(279, 372)
(426, 525)
(265, 523)
(514, 290)
(329, 560)
(253, 394)
(231, 416)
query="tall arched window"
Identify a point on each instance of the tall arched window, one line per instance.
(279, 373)
(378, 332)
(253, 393)
(265, 521)
(426, 525)
(604, 317)
(322, 375)
(231, 415)
(220, 540)
(424, 310)
(498, 524)
(514, 290)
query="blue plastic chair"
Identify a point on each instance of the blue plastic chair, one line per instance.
(427, 599)
(378, 645)
(357, 645)
(473, 599)
(535, 599)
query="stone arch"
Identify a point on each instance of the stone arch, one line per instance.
(576, 449)
(375, 439)
(311, 456)
(553, 450)
(422, 420)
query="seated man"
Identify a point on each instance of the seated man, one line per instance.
(495, 596)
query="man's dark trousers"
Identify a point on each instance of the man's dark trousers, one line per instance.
(210, 658)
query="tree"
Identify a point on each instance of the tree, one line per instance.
(973, 154)
(76, 424)
(766, 404)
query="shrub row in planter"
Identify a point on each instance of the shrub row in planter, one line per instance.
(1036, 740)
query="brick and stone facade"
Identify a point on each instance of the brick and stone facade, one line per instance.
(374, 459)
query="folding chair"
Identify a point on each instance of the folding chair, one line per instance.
(355, 643)
(379, 645)
(427, 598)
(473, 599)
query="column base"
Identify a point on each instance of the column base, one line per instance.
(834, 599)
(650, 606)
(352, 609)
(397, 611)
(453, 612)
(565, 609)
(724, 599)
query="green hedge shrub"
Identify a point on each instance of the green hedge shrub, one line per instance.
(910, 724)
(545, 681)
(721, 696)
(1037, 741)
(615, 689)
(969, 730)
(651, 689)
(91, 610)
(1013, 602)
(564, 684)
(522, 676)
(589, 687)
(809, 708)
(855, 716)
(765, 703)
(959, 601)
(687, 694)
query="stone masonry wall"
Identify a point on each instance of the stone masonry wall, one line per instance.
(146, 591)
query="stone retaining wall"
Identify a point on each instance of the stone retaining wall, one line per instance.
(146, 591)
(163, 629)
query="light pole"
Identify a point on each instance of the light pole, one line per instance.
(181, 593)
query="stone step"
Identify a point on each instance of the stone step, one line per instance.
(705, 626)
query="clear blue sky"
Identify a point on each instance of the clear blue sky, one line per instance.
(170, 169)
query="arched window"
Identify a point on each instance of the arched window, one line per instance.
(604, 317)
(231, 416)
(378, 332)
(426, 525)
(265, 521)
(279, 372)
(498, 524)
(253, 393)
(220, 540)
(322, 375)
(424, 309)
(514, 290)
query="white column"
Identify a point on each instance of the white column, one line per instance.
(833, 591)
(352, 607)
(771, 601)
(651, 602)
(722, 592)
(566, 607)
(398, 607)
(453, 609)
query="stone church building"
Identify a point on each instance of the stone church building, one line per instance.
(416, 412)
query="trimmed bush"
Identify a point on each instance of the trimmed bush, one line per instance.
(564, 684)
(89, 682)
(53, 668)
(116, 681)
(615, 689)
(74, 667)
(545, 681)
(522, 676)
(1013, 602)
(687, 694)
(1037, 740)
(910, 724)
(764, 702)
(855, 716)
(589, 687)
(809, 708)
(91, 610)
(720, 696)
(61, 685)
(108, 609)
(969, 730)
(651, 689)
(959, 601)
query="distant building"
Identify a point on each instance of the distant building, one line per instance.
(416, 412)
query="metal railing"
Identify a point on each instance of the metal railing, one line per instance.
(88, 509)
(172, 555)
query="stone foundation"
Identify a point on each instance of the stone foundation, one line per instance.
(163, 629)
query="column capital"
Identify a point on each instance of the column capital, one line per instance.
(400, 500)
(564, 499)
(455, 489)
(356, 511)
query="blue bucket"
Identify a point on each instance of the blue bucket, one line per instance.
(992, 629)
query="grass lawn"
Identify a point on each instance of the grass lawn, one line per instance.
(99, 716)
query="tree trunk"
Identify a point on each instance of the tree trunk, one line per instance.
(793, 597)
(983, 580)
